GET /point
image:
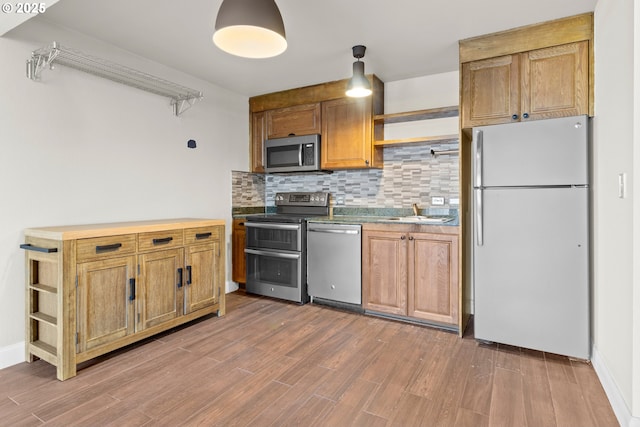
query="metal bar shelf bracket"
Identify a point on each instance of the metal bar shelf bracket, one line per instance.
(182, 98)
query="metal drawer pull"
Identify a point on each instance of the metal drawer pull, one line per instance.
(132, 289)
(105, 248)
(190, 275)
(272, 254)
(335, 231)
(163, 240)
(30, 247)
(203, 235)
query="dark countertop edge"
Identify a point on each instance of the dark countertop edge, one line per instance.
(346, 219)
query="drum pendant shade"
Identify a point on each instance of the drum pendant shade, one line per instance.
(250, 28)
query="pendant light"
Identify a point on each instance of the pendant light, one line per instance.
(358, 86)
(250, 28)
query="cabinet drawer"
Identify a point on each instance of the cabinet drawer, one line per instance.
(159, 240)
(201, 235)
(105, 247)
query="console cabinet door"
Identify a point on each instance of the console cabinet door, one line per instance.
(346, 134)
(160, 289)
(106, 305)
(384, 272)
(433, 277)
(202, 287)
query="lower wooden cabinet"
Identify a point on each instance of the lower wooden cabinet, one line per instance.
(238, 261)
(93, 289)
(411, 271)
(106, 301)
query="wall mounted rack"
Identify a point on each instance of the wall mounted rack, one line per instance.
(181, 97)
(411, 116)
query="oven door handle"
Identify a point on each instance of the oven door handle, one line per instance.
(272, 226)
(272, 254)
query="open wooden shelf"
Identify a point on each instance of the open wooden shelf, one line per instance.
(44, 288)
(41, 317)
(437, 139)
(412, 116)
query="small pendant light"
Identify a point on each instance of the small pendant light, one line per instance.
(250, 28)
(358, 86)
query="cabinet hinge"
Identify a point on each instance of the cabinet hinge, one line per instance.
(138, 269)
(138, 318)
(77, 337)
(76, 280)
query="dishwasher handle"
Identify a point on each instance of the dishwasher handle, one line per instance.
(333, 231)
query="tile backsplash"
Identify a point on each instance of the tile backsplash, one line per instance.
(411, 174)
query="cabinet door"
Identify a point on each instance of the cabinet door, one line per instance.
(491, 91)
(433, 277)
(555, 81)
(160, 289)
(202, 284)
(384, 272)
(297, 120)
(106, 304)
(346, 134)
(238, 260)
(258, 135)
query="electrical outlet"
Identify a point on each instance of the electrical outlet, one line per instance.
(453, 201)
(437, 201)
(339, 200)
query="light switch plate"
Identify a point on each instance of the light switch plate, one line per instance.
(437, 201)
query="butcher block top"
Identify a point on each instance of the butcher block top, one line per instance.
(72, 232)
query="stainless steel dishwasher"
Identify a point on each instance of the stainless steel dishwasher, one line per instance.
(334, 272)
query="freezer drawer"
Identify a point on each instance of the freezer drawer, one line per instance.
(531, 269)
(334, 257)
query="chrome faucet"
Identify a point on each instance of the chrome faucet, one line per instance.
(415, 209)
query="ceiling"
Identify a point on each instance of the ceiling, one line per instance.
(404, 38)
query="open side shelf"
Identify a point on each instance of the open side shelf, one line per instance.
(181, 97)
(412, 116)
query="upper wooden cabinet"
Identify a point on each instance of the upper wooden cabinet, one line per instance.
(346, 125)
(258, 135)
(347, 135)
(298, 120)
(528, 73)
(544, 83)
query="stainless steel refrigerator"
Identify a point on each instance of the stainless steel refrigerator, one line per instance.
(531, 235)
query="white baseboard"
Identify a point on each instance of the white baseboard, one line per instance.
(618, 404)
(11, 355)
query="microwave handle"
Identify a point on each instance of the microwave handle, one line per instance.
(300, 155)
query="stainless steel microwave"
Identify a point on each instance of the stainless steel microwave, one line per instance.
(292, 154)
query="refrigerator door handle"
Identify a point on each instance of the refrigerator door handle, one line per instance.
(479, 233)
(478, 159)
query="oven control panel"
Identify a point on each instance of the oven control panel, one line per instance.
(318, 198)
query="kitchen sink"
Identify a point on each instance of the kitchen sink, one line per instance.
(432, 219)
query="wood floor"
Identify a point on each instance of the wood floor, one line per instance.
(271, 363)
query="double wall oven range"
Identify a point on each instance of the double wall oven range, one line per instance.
(276, 246)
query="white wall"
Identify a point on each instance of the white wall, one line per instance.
(616, 258)
(81, 149)
(420, 93)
